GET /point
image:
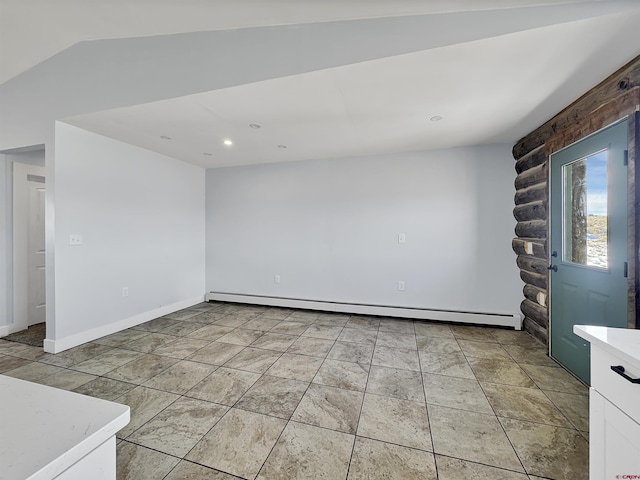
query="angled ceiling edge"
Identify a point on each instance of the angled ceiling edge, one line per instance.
(122, 72)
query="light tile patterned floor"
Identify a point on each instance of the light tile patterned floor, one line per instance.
(220, 391)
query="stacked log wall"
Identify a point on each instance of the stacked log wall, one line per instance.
(616, 97)
(530, 244)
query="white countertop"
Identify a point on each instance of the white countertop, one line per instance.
(623, 342)
(44, 430)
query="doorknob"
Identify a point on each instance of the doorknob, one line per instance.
(554, 254)
(553, 267)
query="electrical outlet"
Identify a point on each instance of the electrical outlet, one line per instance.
(402, 238)
(125, 291)
(401, 285)
(276, 279)
(75, 239)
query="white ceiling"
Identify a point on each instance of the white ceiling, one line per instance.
(33, 30)
(492, 90)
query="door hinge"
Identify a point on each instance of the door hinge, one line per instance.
(626, 157)
(626, 269)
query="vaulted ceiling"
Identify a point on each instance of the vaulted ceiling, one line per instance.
(476, 71)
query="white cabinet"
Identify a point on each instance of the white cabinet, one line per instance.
(614, 441)
(614, 412)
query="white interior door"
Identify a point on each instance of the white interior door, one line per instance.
(36, 281)
(28, 245)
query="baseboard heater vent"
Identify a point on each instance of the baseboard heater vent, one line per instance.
(493, 319)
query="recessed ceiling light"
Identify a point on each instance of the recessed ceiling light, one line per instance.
(227, 142)
(164, 137)
(282, 146)
(255, 125)
(207, 154)
(437, 118)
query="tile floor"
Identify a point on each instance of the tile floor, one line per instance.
(220, 391)
(34, 335)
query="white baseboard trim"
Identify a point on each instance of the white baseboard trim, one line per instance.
(65, 343)
(494, 319)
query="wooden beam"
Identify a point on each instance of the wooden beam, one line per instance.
(531, 194)
(531, 211)
(539, 246)
(534, 294)
(633, 205)
(532, 264)
(535, 312)
(536, 330)
(533, 176)
(532, 159)
(534, 279)
(621, 81)
(623, 106)
(533, 228)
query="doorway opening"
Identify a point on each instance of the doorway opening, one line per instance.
(26, 304)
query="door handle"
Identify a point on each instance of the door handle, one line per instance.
(619, 369)
(553, 267)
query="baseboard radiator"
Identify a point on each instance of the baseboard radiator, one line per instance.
(493, 319)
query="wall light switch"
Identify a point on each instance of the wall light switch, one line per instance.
(75, 239)
(402, 238)
(276, 279)
(401, 285)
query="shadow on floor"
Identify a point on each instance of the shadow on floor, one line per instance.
(34, 335)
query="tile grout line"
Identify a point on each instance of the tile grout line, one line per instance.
(364, 395)
(226, 413)
(183, 395)
(305, 392)
(426, 408)
(180, 396)
(504, 431)
(496, 416)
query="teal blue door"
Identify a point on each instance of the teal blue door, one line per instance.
(588, 242)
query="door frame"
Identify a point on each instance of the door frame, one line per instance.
(630, 236)
(21, 244)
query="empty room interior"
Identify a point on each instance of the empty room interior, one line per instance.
(299, 239)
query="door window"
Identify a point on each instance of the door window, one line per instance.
(585, 211)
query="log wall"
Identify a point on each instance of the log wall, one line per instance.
(615, 98)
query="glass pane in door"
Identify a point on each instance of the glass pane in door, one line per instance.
(585, 211)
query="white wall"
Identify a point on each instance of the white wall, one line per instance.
(103, 74)
(30, 157)
(330, 230)
(141, 218)
(4, 252)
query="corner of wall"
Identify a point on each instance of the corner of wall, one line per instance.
(4, 251)
(65, 343)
